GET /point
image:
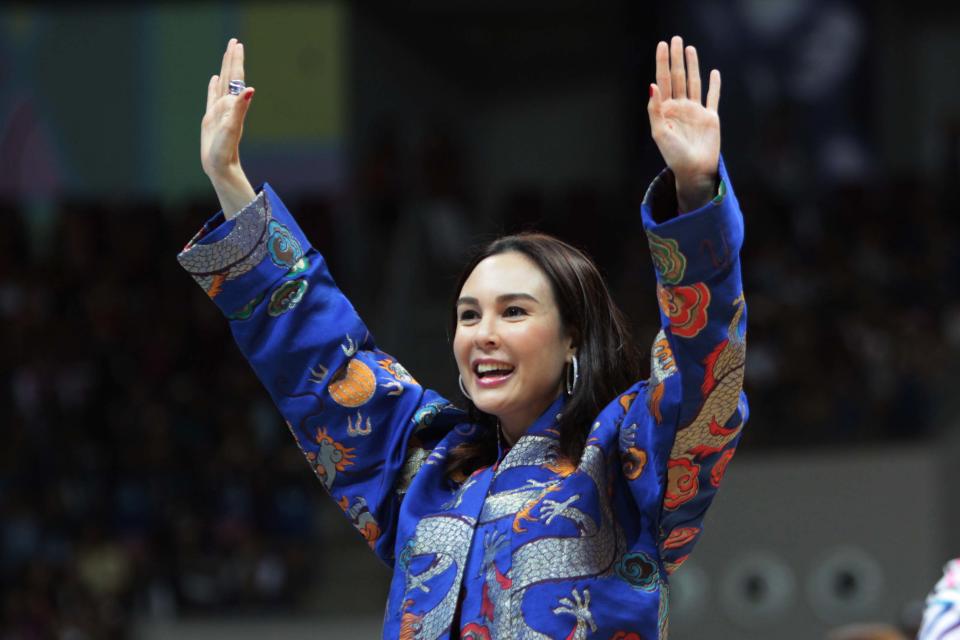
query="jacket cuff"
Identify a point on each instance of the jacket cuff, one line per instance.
(235, 260)
(694, 246)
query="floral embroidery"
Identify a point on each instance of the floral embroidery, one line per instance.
(682, 483)
(686, 307)
(669, 262)
(287, 296)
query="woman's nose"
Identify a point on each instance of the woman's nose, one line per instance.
(486, 335)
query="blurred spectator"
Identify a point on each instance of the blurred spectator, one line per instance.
(941, 616)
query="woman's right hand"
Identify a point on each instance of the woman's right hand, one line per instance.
(221, 130)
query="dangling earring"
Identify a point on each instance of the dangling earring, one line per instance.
(462, 389)
(572, 384)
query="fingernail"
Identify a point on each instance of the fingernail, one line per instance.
(248, 96)
(651, 91)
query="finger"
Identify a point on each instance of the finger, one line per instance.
(678, 77)
(225, 68)
(236, 63)
(663, 68)
(713, 91)
(241, 106)
(653, 106)
(212, 88)
(693, 74)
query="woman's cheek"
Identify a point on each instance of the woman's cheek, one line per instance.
(461, 351)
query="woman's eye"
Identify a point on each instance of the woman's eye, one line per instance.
(468, 314)
(514, 312)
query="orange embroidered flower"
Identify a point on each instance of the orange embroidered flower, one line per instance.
(682, 483)
(720, 467)
(685, 307)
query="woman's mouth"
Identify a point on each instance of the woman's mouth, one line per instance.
(491, 374)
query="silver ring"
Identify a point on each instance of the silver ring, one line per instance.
(236, 87)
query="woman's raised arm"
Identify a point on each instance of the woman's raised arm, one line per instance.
(695, 230)
(363, 423)
(221, 130)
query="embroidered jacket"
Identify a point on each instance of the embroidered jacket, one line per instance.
(533, 547)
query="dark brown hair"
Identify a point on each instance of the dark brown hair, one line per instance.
(608, 360)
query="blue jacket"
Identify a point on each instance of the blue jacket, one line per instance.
(532, 547)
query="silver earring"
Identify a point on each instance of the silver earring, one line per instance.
(572, 385)
(462, 389)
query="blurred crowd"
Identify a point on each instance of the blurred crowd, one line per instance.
(145, 471)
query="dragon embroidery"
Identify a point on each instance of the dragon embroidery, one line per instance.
(705, 434)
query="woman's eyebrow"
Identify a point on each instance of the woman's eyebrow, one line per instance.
(501, 299)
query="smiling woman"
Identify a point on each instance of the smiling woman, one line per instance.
(559, 503)
(561, 330)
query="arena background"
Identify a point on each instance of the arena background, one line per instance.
(148, 487)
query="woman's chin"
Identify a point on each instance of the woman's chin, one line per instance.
(488, 406)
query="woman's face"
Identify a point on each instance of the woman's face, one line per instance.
(509, 343)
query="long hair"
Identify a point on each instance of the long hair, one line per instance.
(608, 360)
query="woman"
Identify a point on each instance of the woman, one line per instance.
(558, 506)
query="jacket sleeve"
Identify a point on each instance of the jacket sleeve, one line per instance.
(694, 396)
(363, 423)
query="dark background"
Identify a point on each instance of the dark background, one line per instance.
(145, 474)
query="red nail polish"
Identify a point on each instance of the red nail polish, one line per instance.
(248, 96)
(651, 91)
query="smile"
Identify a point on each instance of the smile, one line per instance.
(491, 373)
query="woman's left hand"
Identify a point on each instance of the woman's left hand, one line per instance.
(686, 132)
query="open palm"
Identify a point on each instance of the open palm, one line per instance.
(222, 124)
(686, 131)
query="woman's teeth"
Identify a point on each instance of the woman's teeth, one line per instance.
(493, 369)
